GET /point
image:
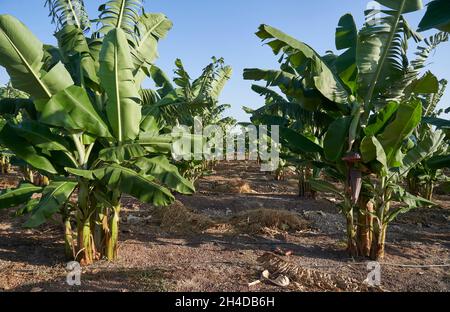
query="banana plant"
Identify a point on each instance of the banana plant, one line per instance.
(375, 93)
(10, 111)
(189, 102)
(184, 99)
(301, 130)
(425, 175)
(88, 135)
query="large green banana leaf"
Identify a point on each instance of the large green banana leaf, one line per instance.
(128, 181)
(18, 196)
(335, 142)
(347, 39)
(381, 119)
(134, 184)
(424, 149)
(11, 138)
(40, 136)
(21, 53)
(72, 109)
(406, 6)
(54, 196)
(151, 28)
(371, 149)
(409, 115)
(297, 142)
(381, 52)
(119, 154)
(317, 74)
(160, 168)
(123, 14)
(116, 75)
(437, 16)
(72, 43)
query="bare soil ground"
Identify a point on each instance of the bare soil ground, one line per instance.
(213, 251)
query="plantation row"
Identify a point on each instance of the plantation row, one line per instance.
(362, 124)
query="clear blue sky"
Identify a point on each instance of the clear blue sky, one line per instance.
(225, 28)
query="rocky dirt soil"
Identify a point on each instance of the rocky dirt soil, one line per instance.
(210, 242)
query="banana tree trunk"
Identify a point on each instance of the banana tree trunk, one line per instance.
(304, 187)
(68, 239)
(5, 165)
(365, 226)
(100, 228)
(428, 190)
(85, 244)
(86, 247)
(413, 187)
(112, 240)
(352, 246)
(379, 232)
(378, 246)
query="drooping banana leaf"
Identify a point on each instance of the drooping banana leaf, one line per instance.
(10, 138)
(54, 197)
(134, 184)
(404, 6)
(161, 81)
(20, 195)
(324, 186)
(317, 74)
(160, 168)
(40, 136)
(438, 122)
(412, 202)
(297, 142)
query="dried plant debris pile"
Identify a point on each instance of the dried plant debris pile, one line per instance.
(179, 219)
(267, 221)
(309, 279)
